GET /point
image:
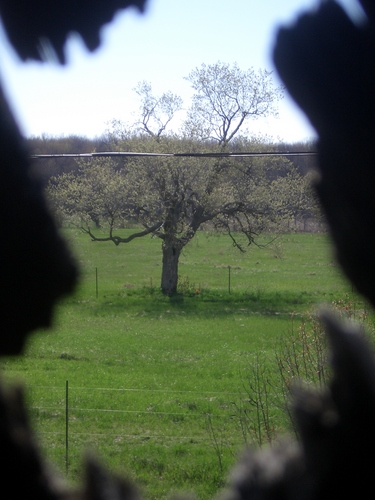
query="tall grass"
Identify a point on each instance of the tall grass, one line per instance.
(157, 384)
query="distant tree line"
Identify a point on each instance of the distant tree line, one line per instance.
(71, 144)
(172, 198)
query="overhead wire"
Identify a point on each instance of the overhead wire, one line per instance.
(176, 155)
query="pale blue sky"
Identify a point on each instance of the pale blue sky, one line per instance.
(162, 46)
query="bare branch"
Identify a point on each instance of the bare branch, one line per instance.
(117, 239)
(226, 97)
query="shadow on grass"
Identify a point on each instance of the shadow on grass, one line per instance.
(152, 302)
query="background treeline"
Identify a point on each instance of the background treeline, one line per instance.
(75, 144)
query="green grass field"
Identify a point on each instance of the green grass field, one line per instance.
(154, 382)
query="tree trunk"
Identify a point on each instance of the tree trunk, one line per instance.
(169, 276)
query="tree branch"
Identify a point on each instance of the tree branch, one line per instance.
(117, 239)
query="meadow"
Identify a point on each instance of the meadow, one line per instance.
(157, 385)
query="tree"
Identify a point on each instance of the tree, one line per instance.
(226, 98)
(171, 198)
(156, 112)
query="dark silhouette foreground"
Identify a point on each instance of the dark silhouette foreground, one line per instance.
(327, 64)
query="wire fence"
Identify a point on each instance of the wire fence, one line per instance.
(80, 416)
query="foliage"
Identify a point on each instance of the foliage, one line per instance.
(95, 193)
